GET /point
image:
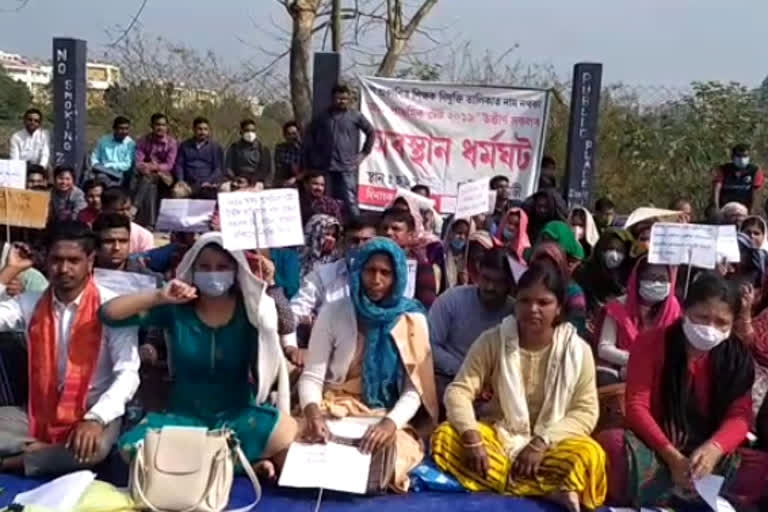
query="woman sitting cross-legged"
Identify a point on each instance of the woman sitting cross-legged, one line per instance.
(369, 355)
(688, 408)
(534, 440)
(218, 320)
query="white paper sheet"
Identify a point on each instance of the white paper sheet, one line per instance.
(472, 198)
(410, 287)
(351, 428)
(124, 282)
(326, 466)
(13, 174)
(709, 490)
(60, 495)
(683, 244)
(260, 220)
(186, 215)
(728, 244)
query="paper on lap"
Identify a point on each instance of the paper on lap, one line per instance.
(259, 220)
(332, 466)
(185, 215)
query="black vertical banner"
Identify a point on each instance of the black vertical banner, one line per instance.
(325, 75)
(69, 102)
(581, 169)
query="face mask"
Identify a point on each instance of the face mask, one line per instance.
(606, 221)
(703, 337)
(741, 162)
(654, 291)
(350, 254)
(214, 284)
(249, 136)
(458, 245)
(578, 232)
(613, 259)
(508, 235)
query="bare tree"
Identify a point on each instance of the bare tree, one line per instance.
(399, 33)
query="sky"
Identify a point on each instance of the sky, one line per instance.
(645, 42)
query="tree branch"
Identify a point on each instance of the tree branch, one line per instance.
(130, 26)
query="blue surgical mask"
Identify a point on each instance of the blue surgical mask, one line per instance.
(214, 284)
(458, 245)
(508, 235)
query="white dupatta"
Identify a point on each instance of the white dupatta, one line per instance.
(563, 370)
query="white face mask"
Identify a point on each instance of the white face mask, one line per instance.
(613, 259)
(741, 162)
(214, 284)
(578, 232)
(654, 291)
(249, 136)
(703, 337)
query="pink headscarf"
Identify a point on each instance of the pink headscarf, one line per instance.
(424, 235)
(522, 242)
(627, 315)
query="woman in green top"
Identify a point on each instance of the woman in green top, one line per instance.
(218, 319)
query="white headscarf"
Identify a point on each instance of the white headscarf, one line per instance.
(591, 233)
(262, 314)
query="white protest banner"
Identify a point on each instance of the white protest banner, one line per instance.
(472, 198)
(185, 215)
(259, 220)
(683, 244)
(13, 174)
(442, 134)
(728, 244)
(123, 282)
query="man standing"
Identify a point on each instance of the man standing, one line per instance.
(288, 156)
(738, 181)
(113, 157)
(249, 155)
(82, 372)
(32, 144)
(461, 314)
(155, 158)
(332, 144)
(200, 161)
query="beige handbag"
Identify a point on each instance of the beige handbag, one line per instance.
(188, 469)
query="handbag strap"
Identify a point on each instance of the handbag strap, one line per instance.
(243, 460)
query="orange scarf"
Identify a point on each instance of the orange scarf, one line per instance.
(52, 414)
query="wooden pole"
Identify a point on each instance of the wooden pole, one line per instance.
(336, 26)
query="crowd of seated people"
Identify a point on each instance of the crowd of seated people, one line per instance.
(485, 345)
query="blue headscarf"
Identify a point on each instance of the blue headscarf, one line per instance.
(382, 369)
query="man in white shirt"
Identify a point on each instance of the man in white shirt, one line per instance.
(32, 144)
(82, 373)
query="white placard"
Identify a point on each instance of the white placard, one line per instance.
(13, 174)
(472, 198)
(410, 287)
(331, 466)
(683, 244)
(124, 282)
(259, 220)
(492, 195)
(728, 244)
(185, 215)
(708, 488)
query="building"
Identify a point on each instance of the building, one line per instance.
(37, 75)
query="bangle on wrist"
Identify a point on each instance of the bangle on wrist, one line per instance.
(476, 444)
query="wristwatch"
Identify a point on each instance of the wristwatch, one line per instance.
(90, 416)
